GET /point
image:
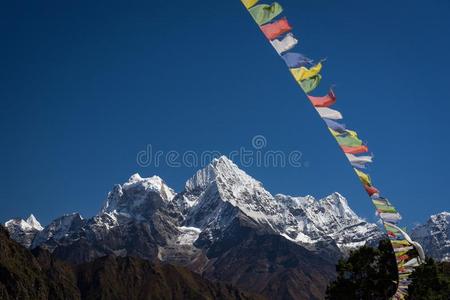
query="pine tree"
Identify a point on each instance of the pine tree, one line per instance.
(368, 273)
(430, 281)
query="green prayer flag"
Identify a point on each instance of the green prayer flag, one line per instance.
(348, 140)
(310, 84)
(265, 13)
(386, 209)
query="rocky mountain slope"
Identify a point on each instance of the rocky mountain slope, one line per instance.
(434, 236)
(38, 275)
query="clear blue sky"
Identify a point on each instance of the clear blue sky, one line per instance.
(86, 85)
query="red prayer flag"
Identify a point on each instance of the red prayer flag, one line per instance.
(275, 29)
(371, 190)
(355, 150)
(324, 101)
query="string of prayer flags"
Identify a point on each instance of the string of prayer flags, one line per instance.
(409, 254)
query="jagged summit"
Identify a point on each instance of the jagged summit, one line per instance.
(221, 191)
(33, 222)
(219, 167)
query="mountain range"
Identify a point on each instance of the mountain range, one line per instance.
(223, 225)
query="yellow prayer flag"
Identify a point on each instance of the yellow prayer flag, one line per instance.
(303, 73)
(249, 3)
(363, 177)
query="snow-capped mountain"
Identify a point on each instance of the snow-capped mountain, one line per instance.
(24, 231)
(130, 200)
(226, 226)
(434, 236)
(146, 211)
(217, 194)
(222, 192)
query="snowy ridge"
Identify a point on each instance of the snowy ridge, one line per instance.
(330, 217)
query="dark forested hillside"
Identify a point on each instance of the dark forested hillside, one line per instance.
(38, 275)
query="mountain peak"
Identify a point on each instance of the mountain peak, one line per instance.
(137, 195)
(33, 222)
(222, 168)
(29, 224)
(336, 199)
(222, 159)
(154, 183)
(135, 177)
